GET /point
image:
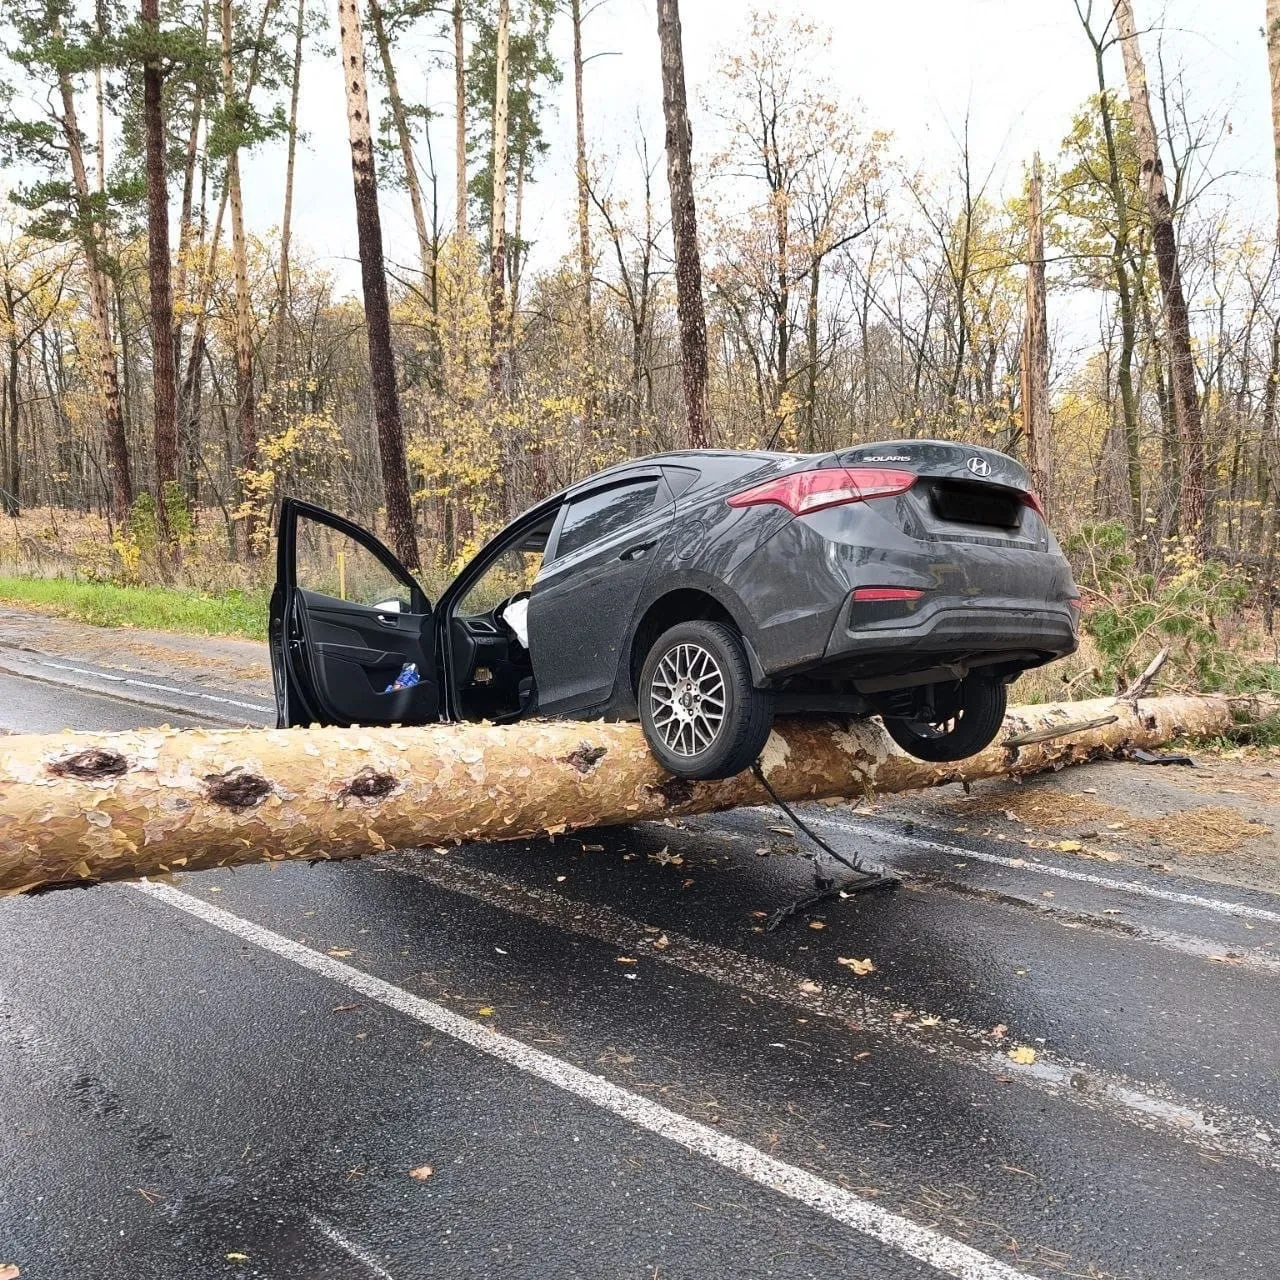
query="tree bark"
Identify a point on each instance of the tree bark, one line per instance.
(684, 224)
(584, 194)
(377, 305)
(244, 316)
(1273, 66)
(460, 122)
(1186, 401)
(99, 305)
(184, 217)
(1270, 441)
(163, 368)
(1035, 345)
(498, 222)
(87, 807)
(284, 285)
(401, 122)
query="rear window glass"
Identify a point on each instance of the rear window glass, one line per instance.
(600, 514)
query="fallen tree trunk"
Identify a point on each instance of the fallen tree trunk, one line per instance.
(80, 808)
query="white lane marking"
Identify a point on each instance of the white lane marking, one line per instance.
(1217, 1130)
(363, 1256)
(924, 1244)
(1237, 909)
(159, 688)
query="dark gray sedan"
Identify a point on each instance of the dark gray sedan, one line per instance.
(703, 593)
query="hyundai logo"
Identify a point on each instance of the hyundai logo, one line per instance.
(979, 466)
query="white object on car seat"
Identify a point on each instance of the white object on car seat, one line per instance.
(516, 616)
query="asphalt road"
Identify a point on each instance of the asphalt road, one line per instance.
(611, 1071)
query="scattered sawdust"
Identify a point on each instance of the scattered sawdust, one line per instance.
(1207, 829)
(1038, 808)
(1201, 829)
(1264, 787)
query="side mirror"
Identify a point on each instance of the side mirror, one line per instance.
(389, 606)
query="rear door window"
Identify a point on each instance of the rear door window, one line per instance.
(598, 515)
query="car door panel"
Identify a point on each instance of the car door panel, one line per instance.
(334, 658)
(583, 604)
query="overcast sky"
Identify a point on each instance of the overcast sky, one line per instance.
(1019, 68)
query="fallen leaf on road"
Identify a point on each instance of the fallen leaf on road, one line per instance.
(816, 924)
(421, 1173)
(930, 1020)
(1023, 1055)
(339, 951)
(860, 967)
(344, 1008)
(1226, 959)
(237, 1257)
(1069, 846)
(593, 848)
(661, 942)
(809, 987)
(783, 831)
(8, 1271)
(999, 1031)
(627, 960)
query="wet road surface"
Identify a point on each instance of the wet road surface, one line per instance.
(611, 1070)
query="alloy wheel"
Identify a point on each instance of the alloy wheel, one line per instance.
(687, 699)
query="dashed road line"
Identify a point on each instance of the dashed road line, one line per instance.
(1216, 1130)
(1241, 910)
(155, 687)
(361, 1255)
(924, 1244)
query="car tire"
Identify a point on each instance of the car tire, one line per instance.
(684, 671)
(979, 715)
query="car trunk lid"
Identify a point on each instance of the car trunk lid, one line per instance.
(963, 493)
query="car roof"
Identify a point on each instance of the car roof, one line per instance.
(678, 457)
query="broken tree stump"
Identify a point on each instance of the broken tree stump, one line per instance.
(81, 808)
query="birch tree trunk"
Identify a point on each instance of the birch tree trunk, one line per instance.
(87, 807)
(246, 409)
(1186, 400)
(584, 196)
(99, 302)
(1035, 344)
(184, 216)
(377, 305)
(684, 224)
(191, 378)
(401, 122)
(163, 369)
(498, 219)
(460, 122)
(284, 287)
(1271, 442)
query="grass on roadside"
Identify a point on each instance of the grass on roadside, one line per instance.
(231, 613)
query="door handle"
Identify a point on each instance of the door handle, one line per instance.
(389, 619)
(639, 551)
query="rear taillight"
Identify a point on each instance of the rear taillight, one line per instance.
(802, 492)
(1075, 602)
(881, 594)
(1032, 499)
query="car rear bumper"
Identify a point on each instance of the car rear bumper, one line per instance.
(945, 631)
(980, 603)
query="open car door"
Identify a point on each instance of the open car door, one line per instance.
(346, 618)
